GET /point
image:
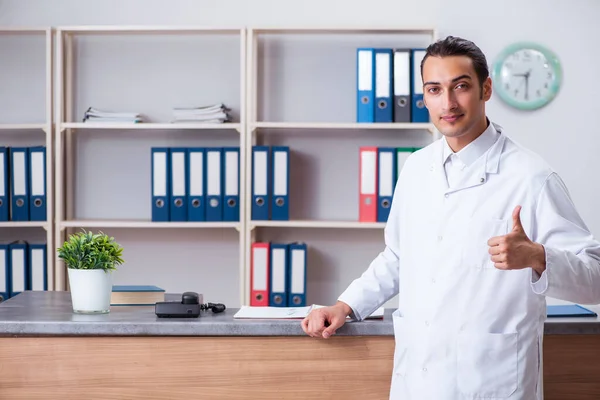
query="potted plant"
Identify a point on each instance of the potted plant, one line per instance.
(90, 259)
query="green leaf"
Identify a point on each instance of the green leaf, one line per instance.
(87, 250)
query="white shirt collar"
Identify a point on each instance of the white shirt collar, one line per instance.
(473, 150)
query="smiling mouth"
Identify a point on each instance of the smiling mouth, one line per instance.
(452, 118)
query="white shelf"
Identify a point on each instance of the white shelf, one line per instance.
(145, 224)
(357, 29)
(24, 224)
(14, 127)
(25, 29)
(317, 224)
(148, 126)
(341, 125)
(150, 29)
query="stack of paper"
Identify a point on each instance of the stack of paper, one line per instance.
(286, 312)
(95, 115)
(216, 113)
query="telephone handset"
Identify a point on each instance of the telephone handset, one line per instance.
(188, 307)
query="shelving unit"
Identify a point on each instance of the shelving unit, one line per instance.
(308, 103)
(84, 201)
(291, 87)
(27, 120)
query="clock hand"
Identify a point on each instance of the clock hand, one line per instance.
(527, 84)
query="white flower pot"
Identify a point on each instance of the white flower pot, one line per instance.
(90, 290)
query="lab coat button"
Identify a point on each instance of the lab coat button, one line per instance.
(426, 323)
(447, 195)
(432, 280)
(482, 179)
(424, 369)
(440, 238)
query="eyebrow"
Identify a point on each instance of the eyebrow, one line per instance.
(458, 78)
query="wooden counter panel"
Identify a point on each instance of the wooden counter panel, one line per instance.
(572, 367)
(174, 367)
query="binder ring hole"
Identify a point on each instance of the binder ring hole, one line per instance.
(385, 204)
(420, 104)
(382, 104)
(280, 201)
(297, 300)
(37, 202)
(402, 102)
(260, 201)
(160, 203)
(178, 203)
(259, 297)
(231, 202)
(365, 100)
(1, 202)
(195, 203)
(278, 299)
(214, 202)
(20, 202)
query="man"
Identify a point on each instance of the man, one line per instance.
(481, 230)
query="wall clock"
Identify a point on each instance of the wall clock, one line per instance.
(527, 75)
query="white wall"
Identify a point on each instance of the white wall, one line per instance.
(564, 132)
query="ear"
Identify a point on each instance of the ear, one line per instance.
(487, 89)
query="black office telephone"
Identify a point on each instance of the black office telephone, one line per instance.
(188, 307)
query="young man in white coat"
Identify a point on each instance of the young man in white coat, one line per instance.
(481, 230)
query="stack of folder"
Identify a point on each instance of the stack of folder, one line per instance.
(270, 183)
(93, 115)
(216, 114)
(379, 168)
(195, 184)
(278, 274)
(389, 86)
(23, 183)
(22, 267)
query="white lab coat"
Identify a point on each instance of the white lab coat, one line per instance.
(464, 329)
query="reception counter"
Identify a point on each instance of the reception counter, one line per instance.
(48, 352)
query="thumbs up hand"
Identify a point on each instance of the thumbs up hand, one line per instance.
(515, 250)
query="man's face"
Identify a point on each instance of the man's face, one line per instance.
(454, 97)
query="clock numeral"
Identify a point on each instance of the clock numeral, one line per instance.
(516, 92)
(539, 93)
(546, 85)
(549, 75)
(508, 65)
(516, 56)
(507, 87)
(526, 54)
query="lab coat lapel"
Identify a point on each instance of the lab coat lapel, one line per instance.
(478, 174)
(438, 177)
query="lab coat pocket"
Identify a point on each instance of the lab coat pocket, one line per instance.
(476, 249)
(402, 342)
(487, 364)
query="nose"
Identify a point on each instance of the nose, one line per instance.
(449, 100)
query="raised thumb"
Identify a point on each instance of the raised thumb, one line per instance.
(517, 226)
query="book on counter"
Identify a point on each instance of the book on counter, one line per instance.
(266, 312)
(136, 295)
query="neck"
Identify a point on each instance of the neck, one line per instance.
(460, 142)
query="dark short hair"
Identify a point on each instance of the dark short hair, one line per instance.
(456, 46)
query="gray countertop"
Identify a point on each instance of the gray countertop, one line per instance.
(50, 313)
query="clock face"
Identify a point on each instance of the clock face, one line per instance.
(527, 76)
